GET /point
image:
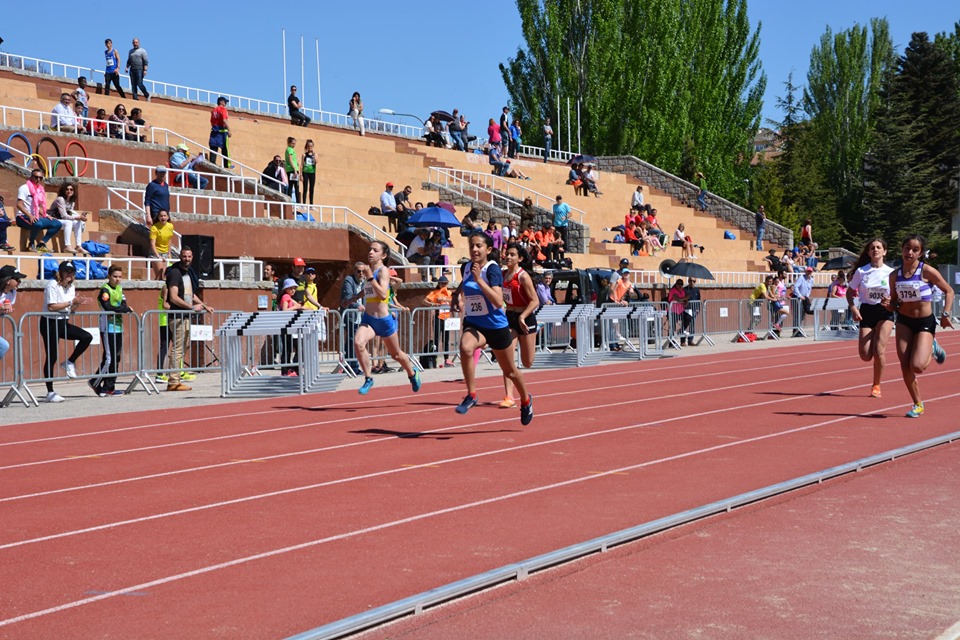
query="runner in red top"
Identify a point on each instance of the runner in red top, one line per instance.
(521, 301)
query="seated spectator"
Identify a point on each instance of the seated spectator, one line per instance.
(388, 207)
(119, 122)
(470, 223)
(499, 166)
(551, 245)
(789, 261)
(404, 197)
(63, 117)
(417, 251)
(513, 172)
(573, 178)
(83, 125)
(4, 225)
(274, 176)
(510, 232)
(465, 134)
(651, 240)
(432, 131)
(590, 179)
(32, 213)
(98, 127)
(136, 130)
(630, 235)
(680, 239)
(527, 212)
(295, 107)
(774, 261)
(64, 209)
(402, 216)
(182, 166)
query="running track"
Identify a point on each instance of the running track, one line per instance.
(263, 519)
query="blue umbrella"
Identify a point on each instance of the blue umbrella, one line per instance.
(433, 217)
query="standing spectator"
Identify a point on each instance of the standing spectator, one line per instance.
(180, 160)
(561, 216)
(355, 111)
(441, 297)
(9, 281)
(806, 233)
(64, 209)
(273, 176)
(220, 133)
(309, 175)
(456, 132)
(515, 137)
(111, 70)
(802, 289)
(183, 303)
(63, 118)
(156, 197)
(547, 139)
(757, 296)
(505, 130)
(310, 300)
(527, 212)
(702, 194)
(137, 64)
(350, 293)
(761, 220)
(112, 302)
(295, 107)
(80, 94)
(677, 297)
(493, 134)
(690, 312)
(161, 233)
(82, 127)
(59, 300)
(32, 212)
(495, 236)
(388, 207)
(417, 252)
(465, 133)
(292, 166)
(4, 225)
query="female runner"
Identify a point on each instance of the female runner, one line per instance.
(485, 323)
(377, 319)
(521, 300)
(911, 295)
(870, 281)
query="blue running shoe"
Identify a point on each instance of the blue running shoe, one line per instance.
(526, 411)
(365, 389)
(938, 353)
(916, 411)
(415, 381)
(469, 401)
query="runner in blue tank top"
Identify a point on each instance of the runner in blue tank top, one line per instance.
(911, 296)
(485, 323)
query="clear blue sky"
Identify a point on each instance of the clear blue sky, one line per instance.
(411, 56)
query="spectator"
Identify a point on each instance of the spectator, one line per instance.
(690, 312)
(113, 302)
(652, 237)
(471, 223)
(510, 232)
(551, 246)
(79, 94)
(547, 139)
(10, 279)
(179, 160)
(561, 217)
(59, 300)
(297, 270)
(761, 221)
(543, 289)
(513, 172)
(309, 175)
(499, 166)
(98, 127)
(32, 212)
(493, 134)
(636, 202)
(772, 259)
(64, 209)
(355, 111)
(295, 107)
(591, 179)
(441, 297)
(637, 243)
(802, 290)
(119, 122)
(776, 295)
(183, 301)
(137, 63)
(515, 134)
(63, 118)
(505, 130)
(292, 166)
(83, 125)
(220, 133)
(350, 293)
(838, 289)
(680, 239)
(527, 212)
(136, 129)
(431, 132)
(5, 223)
(465, 133)
(417, 252)
(273, 175)
(622, 288)
(757, 296)
(702, 194)
(677, 297)
(806, 233)
(111, 70)
(161, 233)
(456, 132)
(403, 198)
(789, 261)
(388, 207)
(495, 236)
(156, 197)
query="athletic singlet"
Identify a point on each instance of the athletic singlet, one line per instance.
(513, 293)
(369, 294)
(914, 288)
(872, 283)
(477, 308)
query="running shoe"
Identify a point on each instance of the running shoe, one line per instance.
(415, 381)
(188, 375)
(53, 396)
(469, 401)
(875, 391)
(916, 412)
(161, 377)
(938, 353)
(70, 369)
(117, 392)
(507, 403)
(41, 247)
(365, 389)
(526, 411)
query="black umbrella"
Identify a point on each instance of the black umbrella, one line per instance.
(835, 264)
(578, 159)
(442, 116)
(696, 270)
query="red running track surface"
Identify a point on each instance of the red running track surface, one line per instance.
(267, 518)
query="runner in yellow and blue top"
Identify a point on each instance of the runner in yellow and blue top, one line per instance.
(377, 319)
(485, 323)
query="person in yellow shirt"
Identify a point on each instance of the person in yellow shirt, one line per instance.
(161, 232)
(310, 290)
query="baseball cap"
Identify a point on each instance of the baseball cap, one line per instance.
(444, 280)
(161, 169)
(389, 184)
(224, 99)
(183, 147)
(393, 273)
(310, 270)
(624, 262)
(298, 262)
(9, 271)
(808, 270)
(289, 282)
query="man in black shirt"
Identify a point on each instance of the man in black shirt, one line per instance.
(297, 116)
(181, 287)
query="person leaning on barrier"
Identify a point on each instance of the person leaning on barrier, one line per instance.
(59, 300)
(10, 279)
(113, 302)
(182, 300)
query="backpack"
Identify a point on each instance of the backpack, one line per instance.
(96, 248)
(728, 235)
(429, 361)
(49, 267)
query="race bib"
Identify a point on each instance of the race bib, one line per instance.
(508, 297)
(368, 291)
(476, 306)
(876, 294)
(908, 291)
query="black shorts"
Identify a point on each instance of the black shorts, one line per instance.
(874, 314)
(497, 339)
(513, 322)
(919, 325)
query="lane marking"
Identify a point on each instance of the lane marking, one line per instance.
(422, 516)
(953, 633)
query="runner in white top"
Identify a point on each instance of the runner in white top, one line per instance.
(870, 281)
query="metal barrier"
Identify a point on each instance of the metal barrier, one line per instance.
(41, 335)
(11, 367)
(198, 333)
(375, 348)
(832, 320)
(266, 352)
(434, 336)
(631, 331)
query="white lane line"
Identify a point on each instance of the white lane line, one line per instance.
(423, 516)
(375, 474)
(375, 401)
(231, 436)
(953, 633)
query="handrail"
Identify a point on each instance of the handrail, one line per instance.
(225, 264)
(136, 173)
(147, 222)
(23, 112)
(245, 171)
(537, 152)
(727, 278)
(498, 187)
(206, 96)
(17, 152)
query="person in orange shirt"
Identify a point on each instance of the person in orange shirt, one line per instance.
(441, 297)
(548, 242)
(622, 287)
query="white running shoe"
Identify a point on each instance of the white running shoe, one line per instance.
(53, 396)
(70, 368)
